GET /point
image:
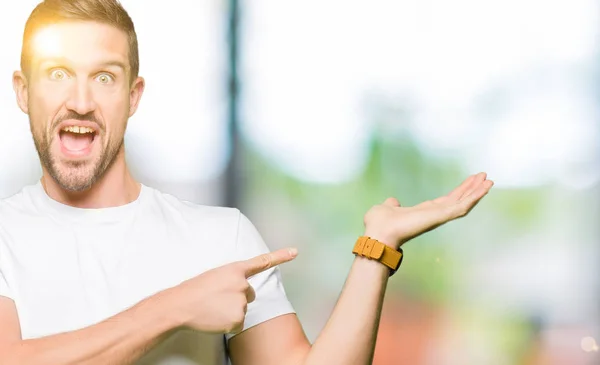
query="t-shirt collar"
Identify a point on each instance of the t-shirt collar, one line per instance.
(105, 215)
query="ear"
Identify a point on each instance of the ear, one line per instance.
(20, 88)
(135, 94)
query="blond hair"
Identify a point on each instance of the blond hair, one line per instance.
(109, 12)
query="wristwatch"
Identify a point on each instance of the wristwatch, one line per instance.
(375, 250)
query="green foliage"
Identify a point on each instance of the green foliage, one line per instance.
(397, 167)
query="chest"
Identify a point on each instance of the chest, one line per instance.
(68, 276)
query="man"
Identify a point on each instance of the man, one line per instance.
(96, 268)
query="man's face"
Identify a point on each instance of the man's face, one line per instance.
(78, 96)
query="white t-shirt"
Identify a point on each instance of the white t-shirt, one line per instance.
(67, 268)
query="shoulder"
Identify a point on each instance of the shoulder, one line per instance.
(229, 226)
(20, 202)
(197, 214)
(18, 213)
(228, 229)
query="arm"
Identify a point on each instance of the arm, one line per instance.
(350, 334)
(351, 327)
(212, 302)
(120, 339)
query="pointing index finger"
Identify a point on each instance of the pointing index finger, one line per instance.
(261, 263)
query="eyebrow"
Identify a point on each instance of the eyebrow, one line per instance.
(118, 64)
(64, 61)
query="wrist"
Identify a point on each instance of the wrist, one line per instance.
(365, 264)
(376, 250)
(385, 238)
(164, 304)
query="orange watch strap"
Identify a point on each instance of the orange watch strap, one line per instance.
(375, 250)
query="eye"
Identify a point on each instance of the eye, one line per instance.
(105, 78)
(58, 75)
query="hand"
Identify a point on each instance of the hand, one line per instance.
(394, 225)
(216, 300)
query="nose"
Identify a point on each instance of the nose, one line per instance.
(81, 99)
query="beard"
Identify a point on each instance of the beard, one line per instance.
(75, 176)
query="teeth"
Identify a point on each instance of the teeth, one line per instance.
(78, 129)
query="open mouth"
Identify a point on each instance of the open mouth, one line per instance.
(77, 139)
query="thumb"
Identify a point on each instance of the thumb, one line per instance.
(392, 202)
(261, 263)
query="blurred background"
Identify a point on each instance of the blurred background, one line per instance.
(304, 114)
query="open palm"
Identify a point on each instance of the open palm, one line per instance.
(394, 225)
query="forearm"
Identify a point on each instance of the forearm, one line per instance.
(118, 340)
(350, 334)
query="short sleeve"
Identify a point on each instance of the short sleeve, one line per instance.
(4, 289)
(271, 300)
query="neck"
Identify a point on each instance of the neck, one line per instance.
(115, 188)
